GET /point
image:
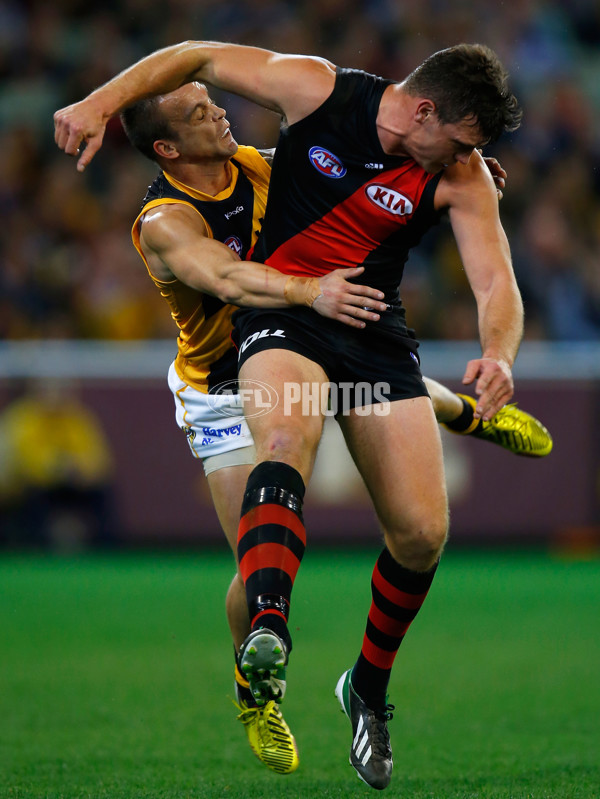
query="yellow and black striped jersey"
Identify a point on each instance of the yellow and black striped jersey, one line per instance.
(206, 356)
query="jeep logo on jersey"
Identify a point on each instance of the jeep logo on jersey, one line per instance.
(234, 244)
(326, 162)
(389, 200)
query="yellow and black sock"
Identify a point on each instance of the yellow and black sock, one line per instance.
(243, 687)
(465, 423)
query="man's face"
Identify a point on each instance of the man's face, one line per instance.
(435, 145)
(202, 132)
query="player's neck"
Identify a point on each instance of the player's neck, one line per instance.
(208, 177)
(391, 120)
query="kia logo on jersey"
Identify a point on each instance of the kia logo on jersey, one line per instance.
(326, 162)
(389, 200)
(234, 244)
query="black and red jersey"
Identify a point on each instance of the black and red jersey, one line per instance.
(337, 200)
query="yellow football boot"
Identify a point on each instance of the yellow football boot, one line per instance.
(268, 734)
(511, 428)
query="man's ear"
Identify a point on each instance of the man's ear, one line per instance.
(165, 149)
(424, 109)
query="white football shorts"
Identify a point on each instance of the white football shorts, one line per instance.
(214, 425)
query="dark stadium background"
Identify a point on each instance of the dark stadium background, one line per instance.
(70, 278)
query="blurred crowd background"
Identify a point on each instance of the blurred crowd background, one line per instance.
(70, 452)
(68, 269)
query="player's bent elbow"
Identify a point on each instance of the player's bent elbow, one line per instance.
(227, 291)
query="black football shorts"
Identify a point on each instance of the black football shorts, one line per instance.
(382, 355)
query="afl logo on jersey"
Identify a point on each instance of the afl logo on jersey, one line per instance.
(234, 244)
(326, 162)
(388, 199)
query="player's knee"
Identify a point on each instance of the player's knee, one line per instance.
(418, 545)
(289, 444)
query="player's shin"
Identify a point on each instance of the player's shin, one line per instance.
(397, 596)
(271, 544)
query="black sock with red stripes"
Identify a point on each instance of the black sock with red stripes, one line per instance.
(271, 542)
(398, 594)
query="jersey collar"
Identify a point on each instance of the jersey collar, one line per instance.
(200, 195)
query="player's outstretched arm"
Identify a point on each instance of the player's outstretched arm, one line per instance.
(174, 243)
(469, 192)
(291, 85)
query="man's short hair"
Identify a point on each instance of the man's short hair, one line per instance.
(144, 123)
(468, 81)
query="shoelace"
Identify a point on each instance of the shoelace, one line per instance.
(519, 424)
(268, 721)
(387, 713)
(246, 715)
(380, 734)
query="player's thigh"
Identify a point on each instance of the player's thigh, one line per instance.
(399, 456)
(290, 428)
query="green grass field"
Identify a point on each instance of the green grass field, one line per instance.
(115, 673)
